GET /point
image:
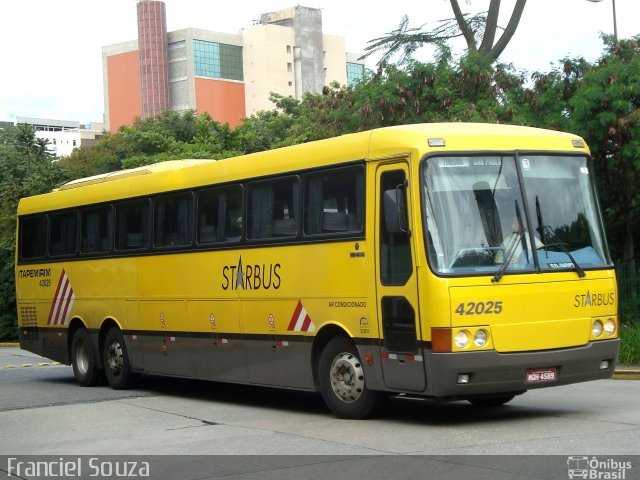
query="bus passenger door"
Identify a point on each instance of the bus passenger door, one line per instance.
(396, 283)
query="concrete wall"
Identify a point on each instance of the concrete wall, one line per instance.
(268, 62)
(307, 24)
(335, 60)
(222, 99)
(122, 89)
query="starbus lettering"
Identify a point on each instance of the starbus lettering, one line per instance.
(594, 299)
(251, 277)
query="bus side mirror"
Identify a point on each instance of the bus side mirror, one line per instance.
(395, 210)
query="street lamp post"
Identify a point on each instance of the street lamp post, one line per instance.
(615, 21)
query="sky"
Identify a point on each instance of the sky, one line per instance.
(51, 51)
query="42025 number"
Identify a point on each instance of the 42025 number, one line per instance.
(480, 308)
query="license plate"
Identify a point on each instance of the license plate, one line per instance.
(542, 375)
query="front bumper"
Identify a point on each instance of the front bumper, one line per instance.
(491, 372)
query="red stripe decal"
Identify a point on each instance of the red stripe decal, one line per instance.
(61, 304)
(294, 318)
(306, 323)
(67, 305)
(55, 296)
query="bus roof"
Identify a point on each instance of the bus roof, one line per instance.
(168, 166)
(372, 144)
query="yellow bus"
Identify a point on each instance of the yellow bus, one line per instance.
(451, 261)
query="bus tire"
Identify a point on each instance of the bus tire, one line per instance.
(496, 401)
(117, 368)
(83, 359)
(342, 381)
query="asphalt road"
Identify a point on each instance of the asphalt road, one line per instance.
(279, 432)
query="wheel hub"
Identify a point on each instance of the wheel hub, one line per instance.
(114, 358)
(82, 358)
(347, 377)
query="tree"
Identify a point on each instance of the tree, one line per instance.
(479, 31)
(26, 168)
(107, 155)
(600, 102)
(606, 111)
(546, 101)
(269, 129)
(468, 89)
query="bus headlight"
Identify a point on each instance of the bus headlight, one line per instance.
(461, 339)
(480, 338)
(596, 328)
(610, 326)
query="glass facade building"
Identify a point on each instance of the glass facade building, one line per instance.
(217, 60)
(355, 73)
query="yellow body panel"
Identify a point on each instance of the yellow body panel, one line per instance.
(180, 292)
(522, 318)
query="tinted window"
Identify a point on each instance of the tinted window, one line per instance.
(398, 324)
(95, 230)
(273, 209)
(132, 225)
(220, 215)
(395, 251)
(172, 220)
(62, 233)
(334, 202)
(33, 237)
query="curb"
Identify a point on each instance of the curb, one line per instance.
(626, 375)
(9, 344)
(29, 365)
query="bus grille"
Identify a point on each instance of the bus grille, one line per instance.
(28, 317)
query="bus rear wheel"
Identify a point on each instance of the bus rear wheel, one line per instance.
(83, 359)
(342, 381)
(116, 361)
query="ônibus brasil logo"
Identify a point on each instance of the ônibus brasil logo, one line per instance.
(595, 468)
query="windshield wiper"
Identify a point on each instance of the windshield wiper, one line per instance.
(543, 230)
(508, 255)
(563, 247)
(513, 248)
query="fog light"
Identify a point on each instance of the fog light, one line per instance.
(596, 328)
(463, 378)
(461, 339)
(610, 326)
(480, 338)
(604, 364)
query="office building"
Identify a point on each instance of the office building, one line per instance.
(227, 75)
(64, 135)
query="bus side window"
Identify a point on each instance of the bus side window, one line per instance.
(95, 230)
(220, 215)
(132, 225)
(395, 251)
(63, 233)
(33, 237)
(172, 220)
(208, 210)
(273, 209)
(231, 214)
(334, 201)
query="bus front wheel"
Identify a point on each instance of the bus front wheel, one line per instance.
(342, 381)
(116, 360)
(83, 359)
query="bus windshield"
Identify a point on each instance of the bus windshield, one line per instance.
(482, 217)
